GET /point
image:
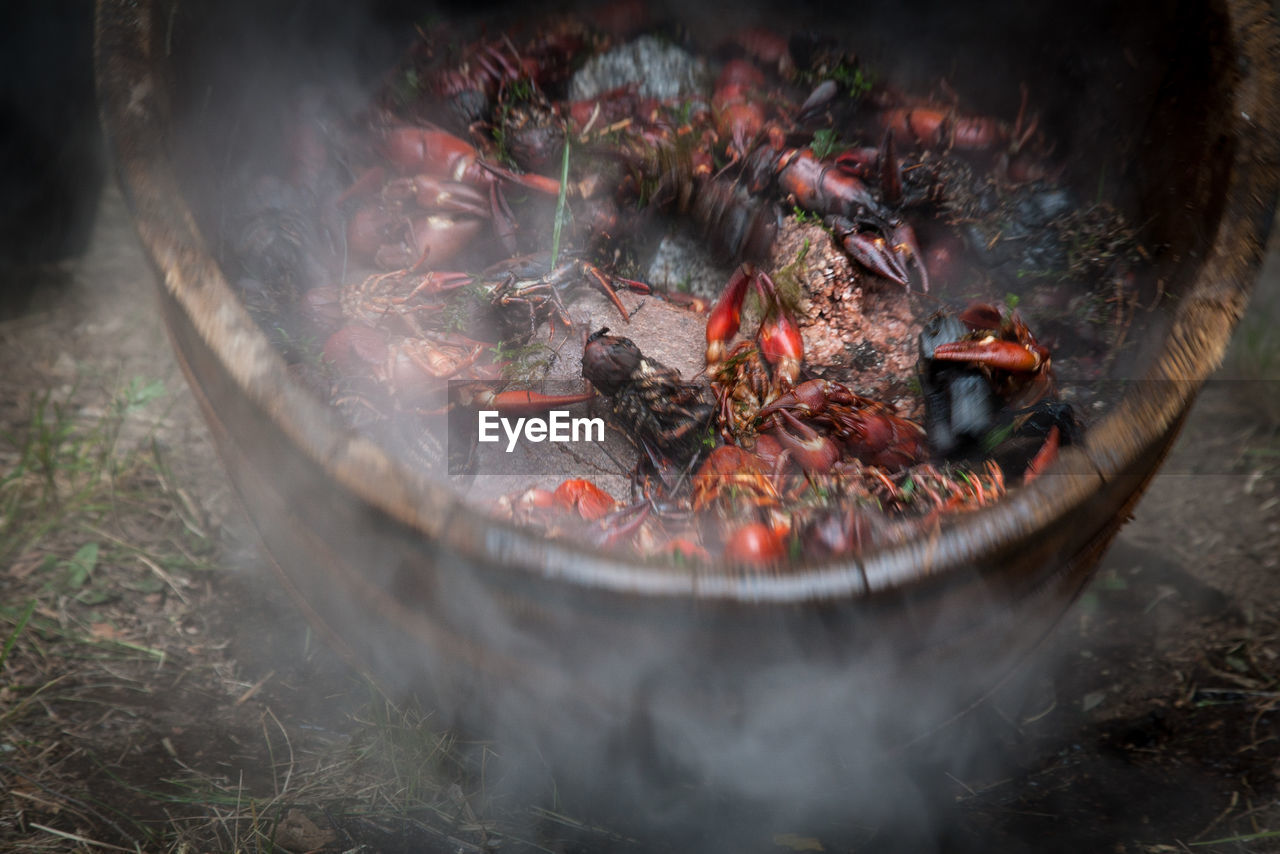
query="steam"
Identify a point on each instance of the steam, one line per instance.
(677, 736)
(716, 722)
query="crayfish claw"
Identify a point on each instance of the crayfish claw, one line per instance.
(726, 316)
(885, 254)
(813, 451)
(874, 254)
(904, 244)
(819, 99)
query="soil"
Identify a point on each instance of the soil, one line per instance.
(1147, 722)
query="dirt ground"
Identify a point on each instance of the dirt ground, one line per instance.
(158, 692)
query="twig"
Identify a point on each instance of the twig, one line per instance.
(165, 577)
(595, 114)
(253, 689)
(1248, 837)
(84, 840)
(570, 822)
(52, 806)
(1254, 741)
(289, 772)
(962, 784)
(9, 769)
(1235, 799)
(1038, 715)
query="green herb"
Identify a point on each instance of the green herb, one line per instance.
(17, 630)
(908, 488)
(499, 134)
(684, 114)
(996, 437)
(853, 79)
(81, 565)
(826, 142)
(520, 91)
(462, 306)
(788, 279)
(407, 88)
(560, 204)
(521, 363)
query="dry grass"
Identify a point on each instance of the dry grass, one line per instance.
(132, 718)
(99, 551)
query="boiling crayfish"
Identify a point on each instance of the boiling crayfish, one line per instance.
(1000, 344)
(832, 185)
(984, 375)
(758, 461)
(445, 191)
(526, 290)
(508, 299)
(754, 397)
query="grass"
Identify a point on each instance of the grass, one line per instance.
(1254, 360)
(79, 504)
(560, 205)
(91, 524)
(1255, 349)
(394, 782)
(19, 625)
(386, 774)
(68, 467)
(88, 509)
(127, 720)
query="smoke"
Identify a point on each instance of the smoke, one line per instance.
(727, 724)
(719, 722)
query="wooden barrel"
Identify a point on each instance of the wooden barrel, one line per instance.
(713, 673)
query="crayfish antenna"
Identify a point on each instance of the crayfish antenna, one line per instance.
(504, 221)
(1022, 135)
(601, 281)
(890, 172)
